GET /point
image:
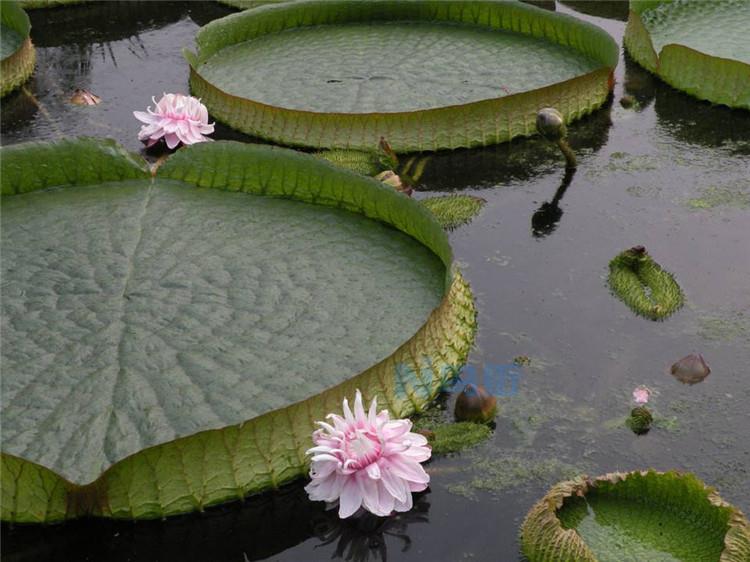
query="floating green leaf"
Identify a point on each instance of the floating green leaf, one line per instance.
(643, 285)
(452, 211)
(425, 74)
(359, 161)
(16, 51)
(453, 437)
(445, 434)
(702, 46)
(654, 516)
(159, 329)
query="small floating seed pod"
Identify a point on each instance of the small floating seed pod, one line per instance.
(84, 97)
(551, 125)
(475, 404)
(691, 369)
(640, 420)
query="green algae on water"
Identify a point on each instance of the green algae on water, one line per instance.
(720, 196)
(511, 471)
(724, 326)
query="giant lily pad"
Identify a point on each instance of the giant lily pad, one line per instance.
(424, 74)
(698, 47)
(169, 341)
(16, 50)
(638, 516)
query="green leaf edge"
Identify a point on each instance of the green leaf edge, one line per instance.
(16, 68)
(544, 539)
(37, 4)
(215, 466)
(706, 77)
(248, 4)
(474, 124)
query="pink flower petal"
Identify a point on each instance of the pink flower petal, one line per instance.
(176, 118)
(351, 498)
(363, 460)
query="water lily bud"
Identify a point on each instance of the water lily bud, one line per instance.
(475, 404)
(691, 369)
(389, 177)
(550, 124)
(640, 420)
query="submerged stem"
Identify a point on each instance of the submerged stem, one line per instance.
(570, 158)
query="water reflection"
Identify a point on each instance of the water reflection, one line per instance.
(547, 217)
(261, 527)
(124, 52)
(516, 161)
(609, 9)
(686, 119)
(367, 537)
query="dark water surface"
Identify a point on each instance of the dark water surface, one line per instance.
(672, 174)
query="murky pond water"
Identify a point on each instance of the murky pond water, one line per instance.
(672, 174)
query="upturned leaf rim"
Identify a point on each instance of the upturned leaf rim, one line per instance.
(544, 538)
(478, 123)
(707, 77)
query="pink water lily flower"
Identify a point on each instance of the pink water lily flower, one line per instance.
(367, 461)
(641, 395)
(177, 118)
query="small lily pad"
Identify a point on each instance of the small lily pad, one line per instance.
(452, 211)
(643, 285)
(654, 516)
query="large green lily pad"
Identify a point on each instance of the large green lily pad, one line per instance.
(179, 334)
(423, 74)
(17, 56)
(633, 517)
(695, 46)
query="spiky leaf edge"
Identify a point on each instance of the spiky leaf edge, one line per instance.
(215, 466)
(544, 539)
(474, 124)
(665, 295)
(715, 79)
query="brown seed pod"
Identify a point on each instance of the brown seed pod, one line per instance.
(691, 369)
(475, 404)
